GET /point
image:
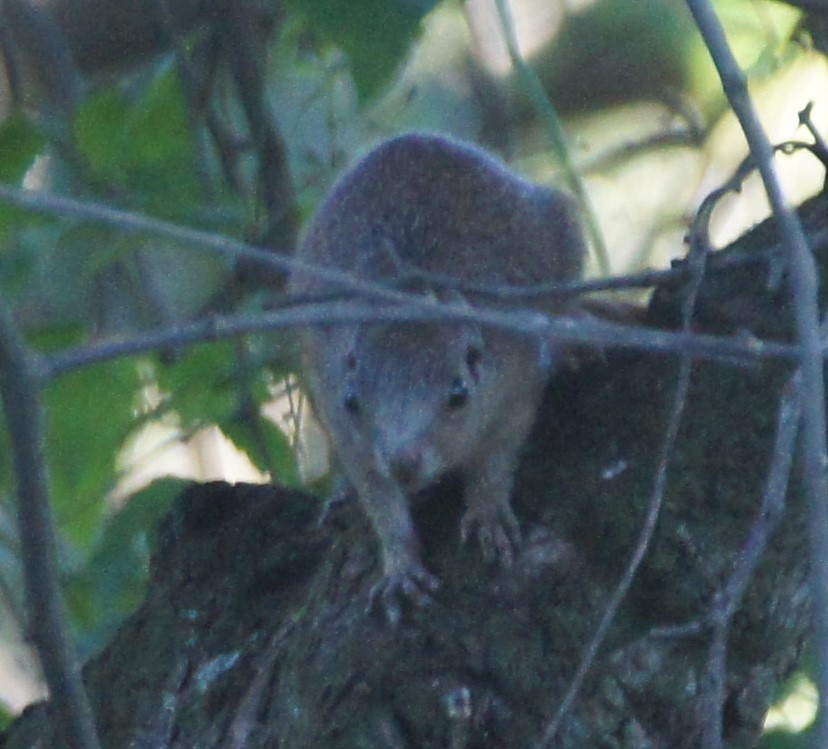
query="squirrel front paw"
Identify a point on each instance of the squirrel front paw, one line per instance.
(403, 581)
(497, 530)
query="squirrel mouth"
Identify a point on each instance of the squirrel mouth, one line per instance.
(410, 481)
(412, 476)
(414, 467)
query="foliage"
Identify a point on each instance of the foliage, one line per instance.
(5, 717)
(132, 144)
(88, 412)
(375, 34)
(137, 142)
(144, 145)
(223, 384)
(786, 740)
(19, 145)
(111, 585)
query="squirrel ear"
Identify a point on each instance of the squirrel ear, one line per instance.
(341, 343)
(382, 257)
(474, 354)
(474, 350)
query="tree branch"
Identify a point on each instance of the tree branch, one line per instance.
(549, 115)
(19, 377)
(236, 32)
(804, 290)
(699, 250)
(560, 329)
(407, 306)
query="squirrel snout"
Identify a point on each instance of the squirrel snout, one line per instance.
(414, 466)
(407, 466)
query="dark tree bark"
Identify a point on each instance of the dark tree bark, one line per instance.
(255, 633)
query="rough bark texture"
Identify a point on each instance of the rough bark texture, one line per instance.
(255, 633)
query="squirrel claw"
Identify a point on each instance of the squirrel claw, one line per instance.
(498, 534)
(414, 584)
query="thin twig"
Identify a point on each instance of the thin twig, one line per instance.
(236, 31)
(728, 599)
(249, 409)
(47, 614)
(803, 278)
(414, 306)
(699, 248)
(585, 331)
(639, 551)
(191, 91)
(538, 96)
(819, 147)
(622, 154)
(87, 210)
(226, 247)
(773, 498)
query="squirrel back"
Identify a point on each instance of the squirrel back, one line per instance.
(444, 207)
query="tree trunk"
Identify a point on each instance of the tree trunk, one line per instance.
(256, 630)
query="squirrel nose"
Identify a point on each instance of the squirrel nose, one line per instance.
(407, 466)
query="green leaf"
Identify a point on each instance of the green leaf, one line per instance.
(267, 446)
(760, 41)
(6, 718)
(157, 125)
(17, 261)
(145, 144)
(56, 337)
(202, 384)
(375, 34)
(112, 584)
(220, 384)
(98, 128)
(784, 740)
(161, 145)
(82, 251)
(20, 142)
(89, 414)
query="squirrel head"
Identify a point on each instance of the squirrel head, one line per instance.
(418, 393)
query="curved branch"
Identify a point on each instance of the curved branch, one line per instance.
(20, 373)
(803, 277)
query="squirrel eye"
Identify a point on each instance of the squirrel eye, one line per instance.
(458, 393)
(351, 403)
(473, 357)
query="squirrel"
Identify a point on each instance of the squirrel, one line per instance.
(406, 403)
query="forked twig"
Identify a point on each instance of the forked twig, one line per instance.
(803, 277)
(19, 381)
(699, 246)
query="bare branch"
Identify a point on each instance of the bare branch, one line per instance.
(236, 33)
(699, 249)
(42, 202)
(728, 599)
(560, 329)
(19, 374)
(549, 115)
(804, 290)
